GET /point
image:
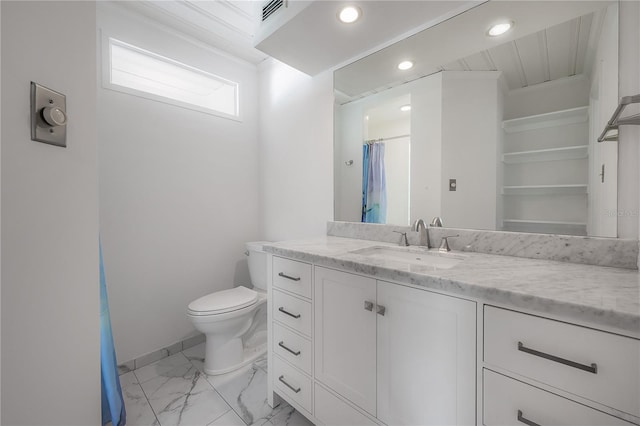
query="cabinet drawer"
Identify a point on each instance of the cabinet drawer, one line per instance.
(333, 411)
(506, 399)
(292, 384)
(293, 312)
(292, 347)
(292, 276)
(562, 355)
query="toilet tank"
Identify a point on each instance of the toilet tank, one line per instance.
(257, 260)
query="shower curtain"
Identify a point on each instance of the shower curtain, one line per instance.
(374, 185)
(112, 403)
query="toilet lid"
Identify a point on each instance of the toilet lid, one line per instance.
(223, 301)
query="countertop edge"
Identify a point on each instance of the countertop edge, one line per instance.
(625, 322)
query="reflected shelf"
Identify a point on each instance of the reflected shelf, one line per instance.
(552, 154)
(551, 119)
(545, 226)
(578, 189)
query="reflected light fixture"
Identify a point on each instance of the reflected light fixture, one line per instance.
(499, 28)
(405, 108)
(405, 65)
(349, 14)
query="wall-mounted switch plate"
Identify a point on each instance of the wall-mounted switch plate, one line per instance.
(452, 185)
(48, 116)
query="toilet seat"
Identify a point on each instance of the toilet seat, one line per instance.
(223, 301)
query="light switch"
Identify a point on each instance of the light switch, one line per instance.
(48, 116)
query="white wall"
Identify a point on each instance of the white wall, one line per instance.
(349, 133)
(603, 100)
(0, 211)
(426, 148)
(296, 151)
(470, 144)
(50, 286)
(556, 95)
(178, 194)
(629, 140)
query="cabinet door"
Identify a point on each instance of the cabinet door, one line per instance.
(345, 335)
(426, 358)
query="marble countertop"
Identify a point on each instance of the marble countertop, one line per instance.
(597, 295)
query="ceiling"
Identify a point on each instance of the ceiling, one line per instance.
(229, 25)
(312, 42)
(550, 40)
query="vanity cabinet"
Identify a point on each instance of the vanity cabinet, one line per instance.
(582, 363)
(348, 349)
(404, 355)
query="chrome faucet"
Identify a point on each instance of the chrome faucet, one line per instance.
(403, 235)
(423, 232)
(436, 221)
(444, 244)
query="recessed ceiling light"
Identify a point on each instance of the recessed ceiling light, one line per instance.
(405, 108)
(349, 14)
(500, 28)
(405, 65)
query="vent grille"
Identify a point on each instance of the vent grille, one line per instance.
(270, 7)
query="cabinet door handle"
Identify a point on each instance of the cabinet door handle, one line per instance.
(526, 421)
(296, 316)
(281, 344)
(368, 306)
(289, 277)
(593, 368)
(296, 390)
(380, 310)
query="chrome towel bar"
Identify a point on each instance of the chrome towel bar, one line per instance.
(617, 121)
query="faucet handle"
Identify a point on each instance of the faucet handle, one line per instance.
(444, 245)
(404, 234)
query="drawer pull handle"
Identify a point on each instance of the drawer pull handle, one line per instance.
(526, 421)
(593, 368)
(281, 378)
(281, 309)
(368, 306)
(289, 277)
(380, 310)
(281, 344)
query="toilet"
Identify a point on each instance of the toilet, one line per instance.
(234, 321)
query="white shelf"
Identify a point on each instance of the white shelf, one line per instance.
(551, 119)
(545, 226)
(545, 190)
(552, 154)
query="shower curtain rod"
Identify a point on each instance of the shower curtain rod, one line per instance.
(386, 139)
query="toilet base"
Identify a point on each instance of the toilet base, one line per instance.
(250, 354)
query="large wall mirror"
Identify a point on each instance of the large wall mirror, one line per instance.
(487, 132)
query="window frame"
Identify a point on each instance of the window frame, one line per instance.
(108, 40)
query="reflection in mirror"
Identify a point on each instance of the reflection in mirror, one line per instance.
(512, 119)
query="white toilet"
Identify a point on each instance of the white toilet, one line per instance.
(234, 321)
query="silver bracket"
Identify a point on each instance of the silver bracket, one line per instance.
(48, 116)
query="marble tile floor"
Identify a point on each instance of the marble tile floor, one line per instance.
(176, 391)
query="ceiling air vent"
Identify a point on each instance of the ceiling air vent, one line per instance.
(270, 7)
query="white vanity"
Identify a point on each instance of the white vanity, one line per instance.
(359, 339)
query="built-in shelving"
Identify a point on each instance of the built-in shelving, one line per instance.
(545, 189)
(552, 154)
(545, 226)
(551, 119)
(544, 180)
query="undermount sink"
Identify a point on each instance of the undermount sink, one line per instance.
(412, 256)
